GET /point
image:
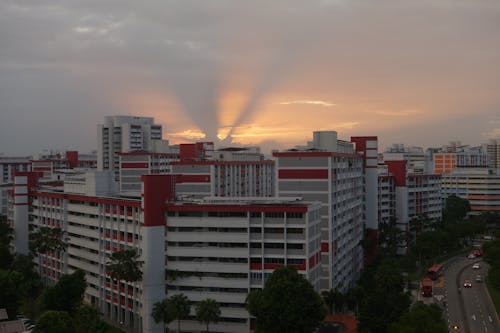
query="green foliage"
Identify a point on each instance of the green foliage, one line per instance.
(47, 239)
(66, 294)
(54, 322)
(208, 311)
(88, 320)
(5, 257)
(391, 237)
(420, 318)
(125, 265)
(288, 303)
(31, 284)
(10, 294)
(384, 300)
(6, 231)
(455, 209)
(161, 313)
(179, 306)
(334, 300)
(6, 236)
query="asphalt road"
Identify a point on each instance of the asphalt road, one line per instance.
(469, 308)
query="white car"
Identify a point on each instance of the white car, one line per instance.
(467, 284)
(471, 256)
(476, 266)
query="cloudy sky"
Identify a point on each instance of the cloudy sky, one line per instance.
(250, 72)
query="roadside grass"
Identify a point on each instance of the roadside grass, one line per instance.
(495, 295)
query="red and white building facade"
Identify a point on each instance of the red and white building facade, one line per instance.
(404, 194)
(216, 247)
(332, 172)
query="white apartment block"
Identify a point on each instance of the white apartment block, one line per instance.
(219, 247)
(135, 164)
(493, 151)
(222, 248)
(124, 134)
(224, 178)
(386, 198)
(331, 172)
(480, 186)
(407, 194)
(10, 165)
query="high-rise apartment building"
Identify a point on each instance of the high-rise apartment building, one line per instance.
(493, 152)
(219, 248)
(405, 194)
(124, 134)
(329, 171)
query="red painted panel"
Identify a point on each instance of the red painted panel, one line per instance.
(157, 190)
(256, 266)
(398, 169)
(303, 174)
(300, 267)
(273, 266)
(324, 247)
(72, 157)
(193, 179)
(313, 154)
(134, 165)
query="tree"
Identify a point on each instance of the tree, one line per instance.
(47, 239)
(288, 303)
(88, 320)
(180, 307)
(391, 238)
(420, 318)
(329, 299)
(124, 265)
(66, 294)
(161, 313)
(6, 236)
(10, 294)
(455, 209)
(6, 231)
(208, 311)
(385, 301)
(54, 322)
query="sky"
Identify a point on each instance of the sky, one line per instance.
(265, 73)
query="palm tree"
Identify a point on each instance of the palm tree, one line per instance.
(124, 265)
(208, 311)
(162, 313)
(47, 239)
(180, 307)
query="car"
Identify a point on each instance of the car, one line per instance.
(479, 278)
(476, 266)
(471, 256)
(467, 284)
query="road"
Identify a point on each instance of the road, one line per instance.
(469, 308)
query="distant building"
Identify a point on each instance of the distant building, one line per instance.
(493, 151)
(404, 194)
(481, 186)
(123, 134)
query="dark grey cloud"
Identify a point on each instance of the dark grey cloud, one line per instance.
(64, 64)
